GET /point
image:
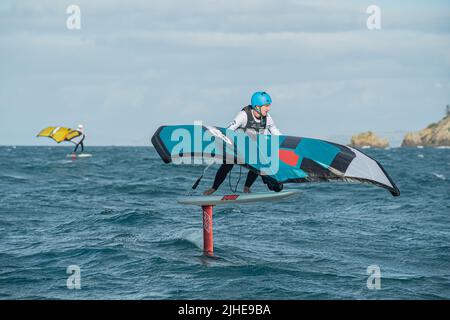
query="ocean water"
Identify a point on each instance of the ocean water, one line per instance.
(115, 216)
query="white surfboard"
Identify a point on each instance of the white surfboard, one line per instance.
(236, 198)
(79, 155)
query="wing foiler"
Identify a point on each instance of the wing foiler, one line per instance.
(283, 158)
(59, 134)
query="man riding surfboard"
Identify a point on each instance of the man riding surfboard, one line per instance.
(253, 118)
(80, 139)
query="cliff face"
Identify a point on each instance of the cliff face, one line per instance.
(368, 139)
(436, 134)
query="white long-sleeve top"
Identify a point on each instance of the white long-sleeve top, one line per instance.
(240, 122)
(79, 138)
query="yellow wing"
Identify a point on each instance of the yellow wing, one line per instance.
(72, 134)
(59, 134)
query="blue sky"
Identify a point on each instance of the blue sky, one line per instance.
(135, 65)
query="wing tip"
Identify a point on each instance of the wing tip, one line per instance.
(395, 192)
(159, 146)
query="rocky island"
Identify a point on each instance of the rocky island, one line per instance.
(435, 135)
(368, 139)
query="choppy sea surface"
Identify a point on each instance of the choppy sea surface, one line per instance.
(115, 217)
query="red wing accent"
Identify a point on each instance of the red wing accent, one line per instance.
(230, 197)
(289, 157)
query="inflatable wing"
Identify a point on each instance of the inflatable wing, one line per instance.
(59, 134)
(283, 158)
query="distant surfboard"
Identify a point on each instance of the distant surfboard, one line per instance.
(79, 155)
(236, 198)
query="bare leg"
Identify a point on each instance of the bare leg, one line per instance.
(220, 178)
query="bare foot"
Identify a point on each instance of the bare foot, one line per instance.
(209, 192)
(247, 190)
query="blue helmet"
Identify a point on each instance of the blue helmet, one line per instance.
(260, 98)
